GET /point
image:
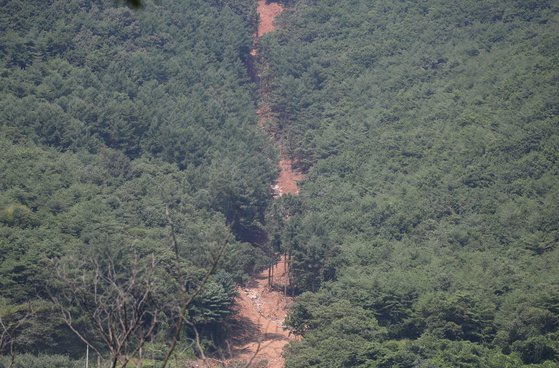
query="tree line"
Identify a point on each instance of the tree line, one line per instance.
(134, 179)
(426, 232)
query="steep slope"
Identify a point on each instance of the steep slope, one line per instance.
(427, 232)
(262, 304)
(261, 313)
(108, 116)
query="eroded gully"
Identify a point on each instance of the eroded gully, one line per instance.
(262, 308)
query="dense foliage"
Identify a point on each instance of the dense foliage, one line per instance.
(426, 232)
(108, 116)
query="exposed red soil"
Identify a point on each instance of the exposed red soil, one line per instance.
(288, 177)
(261, 311)
(268, 11)
(262, 307)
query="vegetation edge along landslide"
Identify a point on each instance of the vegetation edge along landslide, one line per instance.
(134, 180)
(426, 231)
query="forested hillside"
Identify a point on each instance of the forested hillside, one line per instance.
(135, 183)
(116, 127)
(426, 232)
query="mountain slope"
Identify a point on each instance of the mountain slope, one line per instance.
(427, 230)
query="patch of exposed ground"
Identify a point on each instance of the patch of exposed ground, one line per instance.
(268, 11)
(261, 312)
(262, 305)
(288, 177)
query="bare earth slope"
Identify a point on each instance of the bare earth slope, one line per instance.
(261, 312)
(262, 309)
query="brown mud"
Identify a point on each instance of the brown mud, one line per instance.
(262, 304)
(261, 313)
(268, 11)
(287, 182)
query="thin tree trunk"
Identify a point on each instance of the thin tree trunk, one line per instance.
(273, 266)
(115, 361)
(12, 355)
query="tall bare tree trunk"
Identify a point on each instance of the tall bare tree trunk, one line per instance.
(273, 266)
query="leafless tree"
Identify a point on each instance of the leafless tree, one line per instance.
(9, 328)
(223, 361)
(117, 301)
(118, 298)
(186, 298)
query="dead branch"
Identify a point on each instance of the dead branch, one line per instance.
(182, 287)
(8, 332)
(116, 302)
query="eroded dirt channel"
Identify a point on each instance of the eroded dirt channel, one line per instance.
(262, 308)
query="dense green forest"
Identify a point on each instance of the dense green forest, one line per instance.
(114, 124)
(135, 183)
(426, 233)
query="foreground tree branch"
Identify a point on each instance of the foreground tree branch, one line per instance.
(8, 331)
(116, 300)
(186, 297)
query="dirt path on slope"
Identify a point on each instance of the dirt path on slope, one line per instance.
(261, 313)
(268, 11)
(262, 308)
(288, 178)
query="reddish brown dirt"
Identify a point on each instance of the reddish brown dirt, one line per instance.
(261, 311)
(288, 178)
(262, 307)
(268, 11)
